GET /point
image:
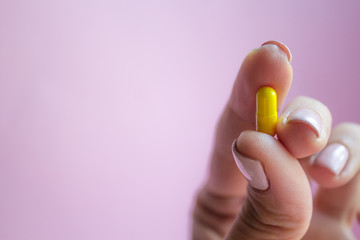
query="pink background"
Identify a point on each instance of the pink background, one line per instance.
(107, 108)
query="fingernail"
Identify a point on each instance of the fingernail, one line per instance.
(252, 170)
(308, 117)
(282, 46)
(333, 157)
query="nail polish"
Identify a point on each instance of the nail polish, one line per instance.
(282, 46)
(333, 157)
(308, 117)
(252, 170)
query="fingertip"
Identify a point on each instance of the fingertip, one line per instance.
(282, 46)
(304, 126)
(251, 169)
(299, 139)
(338, 162)
(267, 65)
(281, 168)
(325, 177)
(256, 145)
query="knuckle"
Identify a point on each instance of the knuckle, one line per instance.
(215, 212)
(270, 222)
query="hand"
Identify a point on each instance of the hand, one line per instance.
(274, 201)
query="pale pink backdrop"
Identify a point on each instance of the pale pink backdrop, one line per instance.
(107, 108)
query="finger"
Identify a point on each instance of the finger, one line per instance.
(304, 126)
(279, 201)
(336, 169)
(339, 161)
(340, 203)
(268, 65)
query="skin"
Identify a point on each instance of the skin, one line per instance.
(227, 207)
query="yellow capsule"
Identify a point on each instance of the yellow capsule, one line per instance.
(266, 110)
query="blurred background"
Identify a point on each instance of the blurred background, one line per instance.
(108, 108)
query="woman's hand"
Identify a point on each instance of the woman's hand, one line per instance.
(274, 199)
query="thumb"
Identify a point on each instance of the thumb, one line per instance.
(279, 201)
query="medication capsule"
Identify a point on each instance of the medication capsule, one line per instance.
(266, 110)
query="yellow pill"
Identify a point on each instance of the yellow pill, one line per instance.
(266, 110)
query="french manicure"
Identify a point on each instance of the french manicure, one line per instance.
(252, 170)
(333, 157)
(282, 46)
(308, 117)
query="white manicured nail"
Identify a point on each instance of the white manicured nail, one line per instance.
(333, 157)
(308, 117)
(252, 170)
